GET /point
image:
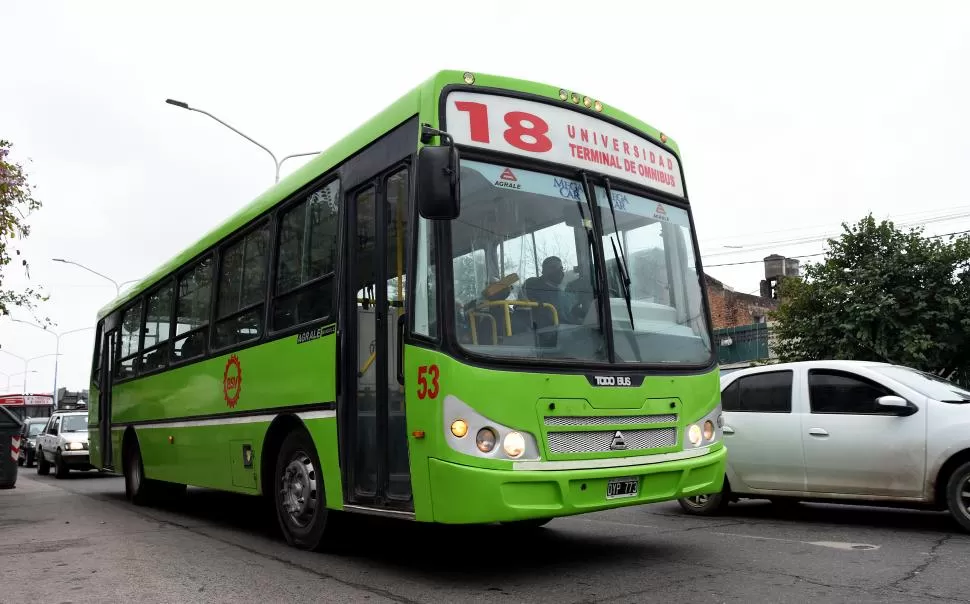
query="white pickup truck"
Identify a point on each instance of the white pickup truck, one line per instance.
(64, 443)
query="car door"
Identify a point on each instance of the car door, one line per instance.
(761, 432)
(44, 439)
(853, 446)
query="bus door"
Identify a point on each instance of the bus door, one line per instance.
(105, 378)
(378, 468)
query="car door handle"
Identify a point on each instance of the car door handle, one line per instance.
(727, 430)
(817, 432)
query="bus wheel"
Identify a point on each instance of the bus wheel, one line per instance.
(300, 497)
(138, 489)
(704, 505)
(43, 468)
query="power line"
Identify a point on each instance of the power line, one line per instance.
(760, 246)
(820, 253)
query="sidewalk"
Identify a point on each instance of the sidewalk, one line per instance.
(93, 546)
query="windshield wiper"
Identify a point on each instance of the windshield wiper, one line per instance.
(620, 256)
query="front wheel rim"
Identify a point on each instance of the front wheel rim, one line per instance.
(298, 490)
(964, 495)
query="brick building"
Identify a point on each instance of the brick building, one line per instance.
(734, 309)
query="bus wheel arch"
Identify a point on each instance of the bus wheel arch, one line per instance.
(277, 432)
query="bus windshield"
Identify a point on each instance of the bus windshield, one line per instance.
(524, 272)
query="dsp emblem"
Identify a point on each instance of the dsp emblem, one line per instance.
(232, 381)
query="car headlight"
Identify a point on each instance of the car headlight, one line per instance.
(491, 439)
(705, 431)
(75, 446)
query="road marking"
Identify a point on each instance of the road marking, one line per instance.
(843, 545)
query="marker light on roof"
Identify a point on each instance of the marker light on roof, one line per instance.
(469, 78)
(575, 98)
(563, 95)
(588, 102)
(598, 106)
(663, 137)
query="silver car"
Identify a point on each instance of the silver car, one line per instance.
(844, 431)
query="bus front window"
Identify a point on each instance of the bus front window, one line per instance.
(521, 259)
(653, 241)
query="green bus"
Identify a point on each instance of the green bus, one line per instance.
(484, 305)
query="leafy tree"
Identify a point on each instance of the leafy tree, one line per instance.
(882, 294)
(17, 202)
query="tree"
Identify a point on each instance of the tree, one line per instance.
(882, 294)
(17, 202)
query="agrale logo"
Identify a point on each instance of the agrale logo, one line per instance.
(508, 180)
(618, 444)
(232, 381)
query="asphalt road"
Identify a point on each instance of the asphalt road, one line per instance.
(83, 542)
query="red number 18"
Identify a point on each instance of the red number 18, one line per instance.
(531, 137)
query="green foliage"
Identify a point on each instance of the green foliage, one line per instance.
(882, 294)
(17, 202)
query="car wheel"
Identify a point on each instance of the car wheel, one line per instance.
(958, 495)
(60, 468)
(43, 466)
(300, 495)
(705, 505)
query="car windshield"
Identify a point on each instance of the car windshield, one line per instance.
(74, 423)
(524, 279)
(927, 384)
(33, 429)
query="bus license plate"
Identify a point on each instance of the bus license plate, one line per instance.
(618, 488)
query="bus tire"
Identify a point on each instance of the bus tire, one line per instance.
(138, 489)
(299, 494)
(43, 467)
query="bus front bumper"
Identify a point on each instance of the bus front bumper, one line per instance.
(465, 494)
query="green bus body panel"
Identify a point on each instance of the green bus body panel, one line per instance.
(203, 445)
(516, 399)
(279, 373)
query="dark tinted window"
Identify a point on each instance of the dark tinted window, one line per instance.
(194, 297)
(843, 392)
(242, 289)
(307, 259)
(765, 392)
(730, 401)
(130, 340)
(157, 329)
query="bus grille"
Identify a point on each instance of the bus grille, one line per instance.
(599, 441)
(607, 420)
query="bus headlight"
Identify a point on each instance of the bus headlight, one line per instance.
(706, 430)
(694, 434)
(468, 432)
(514, 444)
(485, 440)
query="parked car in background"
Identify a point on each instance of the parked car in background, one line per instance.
(64, 444)
(33, 426)
(844, 431)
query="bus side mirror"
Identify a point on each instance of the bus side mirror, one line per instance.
(439, 179)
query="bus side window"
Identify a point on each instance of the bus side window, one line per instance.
(242, 289)
(194, 294)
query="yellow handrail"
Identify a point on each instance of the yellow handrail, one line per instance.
(508, 315)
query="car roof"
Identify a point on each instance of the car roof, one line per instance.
(820, 364)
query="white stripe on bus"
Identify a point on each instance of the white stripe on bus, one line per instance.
(225, 421)
(590, 464)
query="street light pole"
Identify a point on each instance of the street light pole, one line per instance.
(57, 349)
(91, 270)
(276, 163)
(26, 363)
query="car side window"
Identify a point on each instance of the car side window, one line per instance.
(730, 398)
(831, 391)
(768, 392)
(56, 425)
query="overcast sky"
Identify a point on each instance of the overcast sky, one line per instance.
(789, 123)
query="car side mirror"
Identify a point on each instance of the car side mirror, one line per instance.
(438, 177)
(896, 404)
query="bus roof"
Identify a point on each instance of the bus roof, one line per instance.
(421, 99)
